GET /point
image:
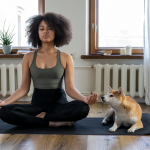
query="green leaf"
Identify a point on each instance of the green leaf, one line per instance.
(5, 37)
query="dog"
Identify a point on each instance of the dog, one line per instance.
(124, 110)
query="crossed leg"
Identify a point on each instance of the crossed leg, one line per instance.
(22, 115)
(25, 114)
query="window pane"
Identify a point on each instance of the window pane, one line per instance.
(120, 23)
(16, 12)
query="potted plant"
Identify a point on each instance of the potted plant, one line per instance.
(6, 40)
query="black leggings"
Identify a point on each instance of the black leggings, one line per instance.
(52, 101)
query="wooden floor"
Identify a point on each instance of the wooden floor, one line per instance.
(76, 142)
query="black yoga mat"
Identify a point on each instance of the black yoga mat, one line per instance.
(86, 126)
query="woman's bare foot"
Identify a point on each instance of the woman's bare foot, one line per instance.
(41, 115)
(56, 124)
(64, 123)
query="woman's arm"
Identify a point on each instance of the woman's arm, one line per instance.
(26, 80)
(18, 94)
(69, 84)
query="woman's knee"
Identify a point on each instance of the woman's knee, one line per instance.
(2, 108)
(10, 106)
(3, 115)
(83, 108)
(5, 109)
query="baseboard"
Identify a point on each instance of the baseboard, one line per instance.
(138, 100)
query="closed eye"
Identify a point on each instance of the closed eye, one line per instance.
(43, 29)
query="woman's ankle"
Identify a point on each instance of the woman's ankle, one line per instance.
(51, 123)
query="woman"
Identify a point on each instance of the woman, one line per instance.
(47, 66)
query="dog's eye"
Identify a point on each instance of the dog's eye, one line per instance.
(111, 95)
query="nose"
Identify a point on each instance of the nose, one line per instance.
(46, 31)
(102, 98)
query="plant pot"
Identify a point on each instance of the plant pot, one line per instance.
(7, 49)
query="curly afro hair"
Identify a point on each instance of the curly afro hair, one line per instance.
(62, 26)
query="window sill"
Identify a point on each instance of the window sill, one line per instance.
(11, 55)
(113, 56)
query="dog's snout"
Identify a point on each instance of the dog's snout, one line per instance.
(102, 98)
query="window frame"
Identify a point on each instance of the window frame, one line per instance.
(41, 7)
(93, 37)
(41, 11)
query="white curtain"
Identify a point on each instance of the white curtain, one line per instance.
(146, 48)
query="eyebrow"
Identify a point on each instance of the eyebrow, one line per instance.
(43, 26)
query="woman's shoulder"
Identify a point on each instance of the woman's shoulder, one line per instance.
(30, 54)
(65, 58)
(65, 54)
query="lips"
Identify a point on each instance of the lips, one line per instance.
(45, 36)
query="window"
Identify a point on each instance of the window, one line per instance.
(115, 24)
(15, 14)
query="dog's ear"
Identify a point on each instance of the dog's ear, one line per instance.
(109, 89)
(120, 91)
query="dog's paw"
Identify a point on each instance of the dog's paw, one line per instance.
(104, 122)
(112, 129)
(130, 130)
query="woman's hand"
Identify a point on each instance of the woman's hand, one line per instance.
(92, 99)
(2, 103)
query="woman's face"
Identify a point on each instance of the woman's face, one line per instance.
(46, 33)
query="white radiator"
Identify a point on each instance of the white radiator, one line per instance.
(129, 77)
(11, 78)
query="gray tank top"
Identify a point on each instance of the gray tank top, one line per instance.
(50, 78)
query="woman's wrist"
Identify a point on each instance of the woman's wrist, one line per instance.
(3, 103)
(84, 98)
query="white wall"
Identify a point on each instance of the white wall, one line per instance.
(78, 12)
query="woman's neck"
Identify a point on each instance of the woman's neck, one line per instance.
(48, 50)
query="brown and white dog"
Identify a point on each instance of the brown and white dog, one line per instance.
(123, 110)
